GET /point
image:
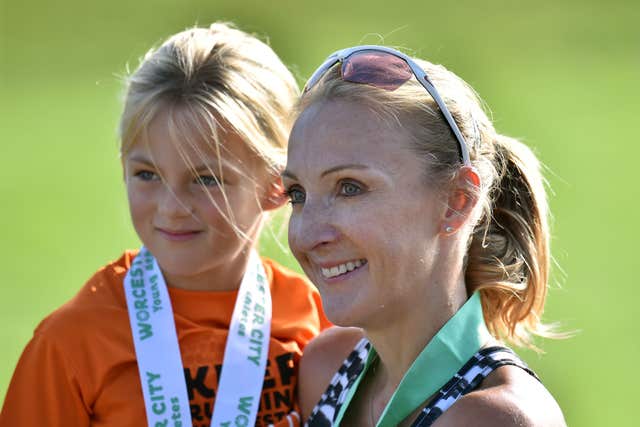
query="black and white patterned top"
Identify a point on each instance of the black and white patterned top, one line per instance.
(467, 379)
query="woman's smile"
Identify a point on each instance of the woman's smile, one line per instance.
(341, 269)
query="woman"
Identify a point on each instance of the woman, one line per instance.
(428, 230)
(195, 328)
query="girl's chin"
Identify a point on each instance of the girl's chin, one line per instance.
(176, 266)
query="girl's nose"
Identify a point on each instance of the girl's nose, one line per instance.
(174, 203)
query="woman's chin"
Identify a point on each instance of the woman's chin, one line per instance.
(344, 313)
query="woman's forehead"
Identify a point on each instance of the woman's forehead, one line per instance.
(338, 134)
(343, 126)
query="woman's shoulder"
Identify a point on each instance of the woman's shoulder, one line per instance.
(320, 361)
(327, 351)
(509, 396)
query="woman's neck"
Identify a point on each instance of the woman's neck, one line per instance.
(399, 341)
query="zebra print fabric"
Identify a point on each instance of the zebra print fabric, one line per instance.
(467, 379)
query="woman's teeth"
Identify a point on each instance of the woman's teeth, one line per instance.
(342, 268)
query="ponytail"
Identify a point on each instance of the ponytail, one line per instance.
(508, 258)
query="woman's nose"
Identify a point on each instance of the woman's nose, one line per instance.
(312, 227)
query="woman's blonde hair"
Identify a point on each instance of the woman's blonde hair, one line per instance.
(508, 257)
(222, 76)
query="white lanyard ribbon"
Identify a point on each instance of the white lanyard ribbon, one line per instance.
(158, 353)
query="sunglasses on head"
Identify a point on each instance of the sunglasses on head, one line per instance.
(388, 69)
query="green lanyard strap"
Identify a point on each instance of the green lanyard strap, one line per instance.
(458, 340)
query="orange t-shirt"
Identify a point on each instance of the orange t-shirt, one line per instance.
(80, 369)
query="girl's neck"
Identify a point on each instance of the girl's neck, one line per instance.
(225, 277)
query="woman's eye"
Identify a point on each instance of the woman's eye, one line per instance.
(145, 175)
(349, 188)
(208, 181)
(296, 195)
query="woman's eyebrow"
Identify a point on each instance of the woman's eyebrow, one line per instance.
(287, 174)
(343, 167)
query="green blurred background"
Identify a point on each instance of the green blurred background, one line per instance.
(562, 75)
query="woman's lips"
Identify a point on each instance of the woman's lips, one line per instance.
(178, 235)
(341, 270)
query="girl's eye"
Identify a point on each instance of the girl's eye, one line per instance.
(296, 195)
(145, 175)
(349, 188)
(208, 181)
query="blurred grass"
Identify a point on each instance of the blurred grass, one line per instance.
(561, 75)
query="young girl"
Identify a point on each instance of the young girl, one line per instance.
(194, 323)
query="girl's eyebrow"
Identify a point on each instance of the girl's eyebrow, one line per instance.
(141, 159)
(207, 167)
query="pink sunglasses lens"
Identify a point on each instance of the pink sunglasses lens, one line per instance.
(378, 69)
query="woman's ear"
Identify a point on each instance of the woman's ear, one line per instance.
(461, 200)
(275, 196)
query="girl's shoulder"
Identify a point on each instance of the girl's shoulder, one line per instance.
(284, 277)
(297, 306)
(320, 361)
(94, 303)
(290, 286)
(509, 396)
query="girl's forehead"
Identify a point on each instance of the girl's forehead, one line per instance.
(175, 139)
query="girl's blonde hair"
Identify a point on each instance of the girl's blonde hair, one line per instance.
(221, 76)
(508, 257)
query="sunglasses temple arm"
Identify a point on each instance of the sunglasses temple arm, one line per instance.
(464, 153)
(317, 75)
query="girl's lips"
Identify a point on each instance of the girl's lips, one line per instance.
(178, 236)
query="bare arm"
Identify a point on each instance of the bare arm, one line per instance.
(508, 398)
(320, 361)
